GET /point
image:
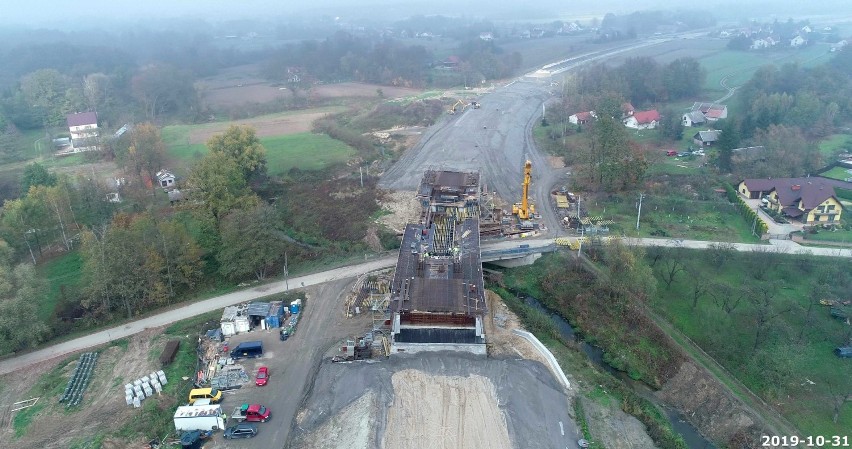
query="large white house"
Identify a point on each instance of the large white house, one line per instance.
(84, 131)
(643, 119)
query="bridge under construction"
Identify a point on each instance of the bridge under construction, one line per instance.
(437, 299)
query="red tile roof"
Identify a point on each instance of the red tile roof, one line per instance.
(82, 119)
(646, 116)
(584, 116)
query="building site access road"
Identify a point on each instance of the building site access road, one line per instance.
(190, 310)
(496, 139)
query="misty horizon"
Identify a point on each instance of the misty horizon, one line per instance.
(101, 13)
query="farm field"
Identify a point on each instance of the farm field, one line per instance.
(739, 66)
(286, 136)
(244, 84)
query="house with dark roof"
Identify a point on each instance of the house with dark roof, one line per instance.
(84, 131)
(165, 179)
(582, 118)
(627, 110)
(693, 118)
(706, 138)
(710, 111)
(811, 200)
(643, 119)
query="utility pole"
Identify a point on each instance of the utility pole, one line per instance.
(578, 213)
(286, 274)
(639, 213)
(361, 172)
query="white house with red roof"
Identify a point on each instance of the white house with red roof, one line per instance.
(643, 119)
(84, 131)
(581, 118)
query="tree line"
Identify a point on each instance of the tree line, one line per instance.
(787, 110)
(345, 56)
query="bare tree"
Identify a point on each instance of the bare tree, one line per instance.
(813, 300)
(726, 297)
(720, 253)
(760, 261)
(762, 297)
(699, 283)
(838, 399)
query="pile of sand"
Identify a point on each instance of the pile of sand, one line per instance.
(444, 412)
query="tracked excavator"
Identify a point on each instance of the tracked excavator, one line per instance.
(524, 210)
(457, 107)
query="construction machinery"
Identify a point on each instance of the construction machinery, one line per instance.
(457, 107)
(524, 210)
(475, 104)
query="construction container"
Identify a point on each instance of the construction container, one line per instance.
(276, 314)
(296, 306)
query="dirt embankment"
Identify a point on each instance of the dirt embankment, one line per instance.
(615, 429)
(710, 406)
(442, 409)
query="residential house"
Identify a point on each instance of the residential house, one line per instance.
(581, 118)
(568, 28)
(839, 45)
(643, 119)
(165, 179)
(797, 41)
(706, 138)
(487, 36)
(759, 44)
(806, 29)
(451, 63)
(811, 200)
(693, 118)
(84, 131)
(711, 111)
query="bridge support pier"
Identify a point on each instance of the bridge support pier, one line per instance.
(517, 262)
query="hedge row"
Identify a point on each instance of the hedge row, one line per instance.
(745, 210)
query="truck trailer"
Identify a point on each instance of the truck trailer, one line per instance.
(199, 417)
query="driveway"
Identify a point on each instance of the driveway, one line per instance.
(774, 228)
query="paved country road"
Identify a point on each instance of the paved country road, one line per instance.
(219, 302)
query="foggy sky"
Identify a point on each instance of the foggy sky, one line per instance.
(69, 14)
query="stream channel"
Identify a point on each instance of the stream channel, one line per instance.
(680, 425)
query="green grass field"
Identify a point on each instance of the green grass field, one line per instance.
(837, 173)
(62, 270)
(673, 216)
(305, 150)
(741, 65)
(833, 144)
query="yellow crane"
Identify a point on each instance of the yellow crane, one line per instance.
(524, 210)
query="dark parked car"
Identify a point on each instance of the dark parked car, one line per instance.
(844, 352)
(242, 430)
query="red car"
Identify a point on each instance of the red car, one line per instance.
(262, 376)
